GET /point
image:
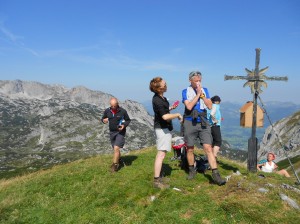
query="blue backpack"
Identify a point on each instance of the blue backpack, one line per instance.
(262, 161)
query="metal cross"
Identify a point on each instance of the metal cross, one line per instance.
(255, 82)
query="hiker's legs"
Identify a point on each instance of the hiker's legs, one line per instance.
(191, 161)
(118, 143)
(116, 158)
(217, 139)
(163, 144)
(190, 135)
(210, 156)
(190, 155)
(191, 131)
(158, 162)
(213, 164)
(206, 140)
(216, 149)
(284, 173)
(117, 154)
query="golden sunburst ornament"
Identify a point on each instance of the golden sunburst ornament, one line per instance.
(252, 79)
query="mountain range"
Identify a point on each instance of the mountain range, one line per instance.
(42, 125)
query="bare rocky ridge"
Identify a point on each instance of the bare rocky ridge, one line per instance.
(41, 125)
(37, 91)
(288, 130)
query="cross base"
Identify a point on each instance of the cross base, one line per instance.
(252, 155)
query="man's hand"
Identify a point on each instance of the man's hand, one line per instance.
(199, 89)
(105, 120)
(120, 127)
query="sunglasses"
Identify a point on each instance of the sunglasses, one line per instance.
(195, 73)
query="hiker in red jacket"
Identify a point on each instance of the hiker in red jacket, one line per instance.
(118, 120)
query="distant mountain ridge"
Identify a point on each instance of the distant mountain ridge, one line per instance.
(41, 125)
(37, 91)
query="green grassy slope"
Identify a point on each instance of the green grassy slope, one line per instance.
(85, 191)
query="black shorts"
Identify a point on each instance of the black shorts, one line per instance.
(117, 139)
(216, 134)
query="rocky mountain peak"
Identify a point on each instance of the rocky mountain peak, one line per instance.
(286, 130)
(18, 87)
(30, 90)
(47, 124)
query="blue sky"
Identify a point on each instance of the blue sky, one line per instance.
(118, 46)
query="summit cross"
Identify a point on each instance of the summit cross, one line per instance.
(255, 80)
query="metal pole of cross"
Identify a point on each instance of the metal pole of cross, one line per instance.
(255, 80)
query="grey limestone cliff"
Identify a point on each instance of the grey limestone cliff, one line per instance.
(42, 124)
(287, 131)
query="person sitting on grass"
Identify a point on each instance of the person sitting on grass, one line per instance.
(269, 166)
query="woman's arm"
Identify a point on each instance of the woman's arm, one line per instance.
(213, 113)
(172, 116)
(259, 166)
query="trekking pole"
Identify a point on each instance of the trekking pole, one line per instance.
(280, 141)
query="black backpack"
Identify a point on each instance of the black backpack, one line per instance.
(201, 162)
(180, 154)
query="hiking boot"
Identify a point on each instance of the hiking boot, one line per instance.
(159, 184)
(192, 173)
(164, 179)
(114, 167)
(217, 178)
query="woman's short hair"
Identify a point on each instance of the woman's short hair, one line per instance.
(155, 84)
(271, 153)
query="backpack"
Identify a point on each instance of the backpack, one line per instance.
(179, 147)
(202, 163)
(262, 161)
